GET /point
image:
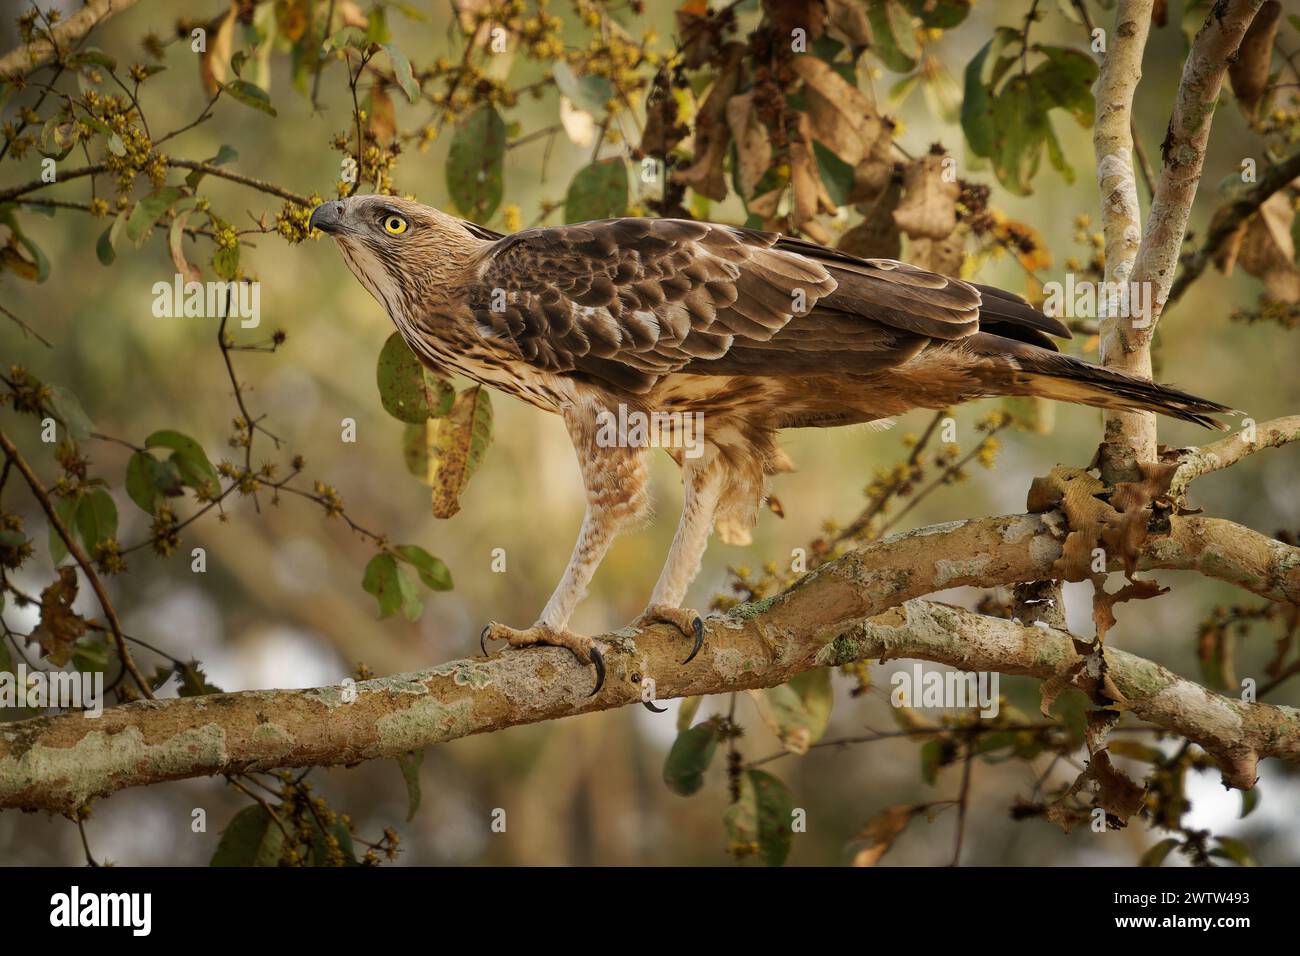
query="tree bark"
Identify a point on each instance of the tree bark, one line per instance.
(58, 763)
(22, 60)
(1130, 437)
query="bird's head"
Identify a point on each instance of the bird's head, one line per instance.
(401, 251)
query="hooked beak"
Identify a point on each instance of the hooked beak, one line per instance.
(327, 217)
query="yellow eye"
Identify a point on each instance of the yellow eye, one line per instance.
(394, 225)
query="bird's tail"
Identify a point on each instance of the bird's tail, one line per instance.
(1017, 368)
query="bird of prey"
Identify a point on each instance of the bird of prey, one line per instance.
(673, 318)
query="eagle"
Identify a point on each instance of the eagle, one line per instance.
(618, 322)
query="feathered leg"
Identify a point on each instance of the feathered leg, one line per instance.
(617, 496)
(702, 481)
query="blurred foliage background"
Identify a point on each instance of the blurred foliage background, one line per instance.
(280, 604)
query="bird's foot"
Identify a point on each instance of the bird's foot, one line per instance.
(584, 648)
(684, 619)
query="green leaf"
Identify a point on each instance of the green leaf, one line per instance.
(225, 154)
(687, 711)
(415, 449)
(147, 478)
(1065, 78)
(407, 390)
(347, 37)
(250, 95)
(689, 757)
(68, 408)
(891, 26)
(148, 211)
(431, 570)
(392, 586)
(1020, 130)
(38, 268)
(475, 161)
(252, 838)
(940, 14)
(759, 822)
(798, 711)
(66, 509)
(377, 25)
(409, 763)
(90, 654)
(741, 821)
(1156, 855)
(96, 518)
(92, 56)
(104, 247)
(403, 73)
(1249, 801)
(836, 174)
(598, 191)
(932, 758)
(56, 141)
(588, 92)
(225, 262)
(1233, 849)
(320, 848)
(775, 815)
(977, 107)
(190, 459)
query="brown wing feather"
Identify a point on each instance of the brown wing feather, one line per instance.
(627, 301)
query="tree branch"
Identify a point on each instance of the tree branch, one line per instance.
(205, 168)
(22, 60)
(1237, 734)
(1230, 216)
(1228, 451)
(57, 763)
(1130, 437)
(1112, 138)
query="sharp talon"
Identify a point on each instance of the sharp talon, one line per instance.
(598, 659)
(482, 638)
(650, 706)
(698, 624)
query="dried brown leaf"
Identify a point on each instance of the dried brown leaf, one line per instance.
(60, 626)
(215, 57)
(929, 206)
(847, 20)
(1248, 71)
(706, 174)
(1268, 250)
(842, 117)
(882, 830)
(753, 145)
(877, 236)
